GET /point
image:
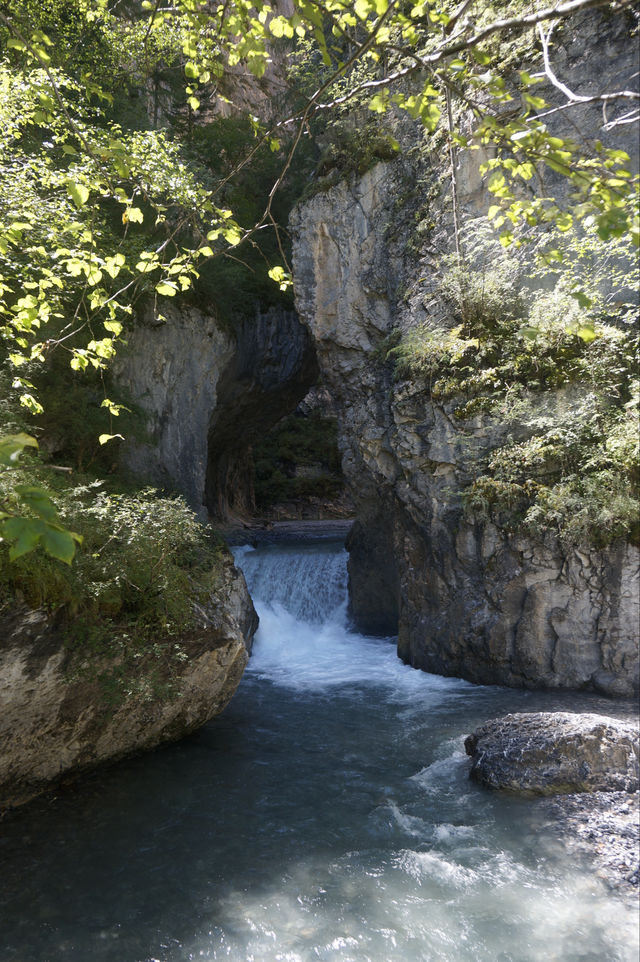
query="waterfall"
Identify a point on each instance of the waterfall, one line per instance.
(304, 640)
(310, 585)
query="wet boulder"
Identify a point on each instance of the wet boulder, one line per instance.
(548, 753)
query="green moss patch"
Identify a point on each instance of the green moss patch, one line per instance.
(560, 372)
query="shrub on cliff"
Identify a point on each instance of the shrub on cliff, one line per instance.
(145, 560)
(548, 349)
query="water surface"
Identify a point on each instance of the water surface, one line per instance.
(326, 815)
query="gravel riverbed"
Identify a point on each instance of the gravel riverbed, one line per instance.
(605, 826)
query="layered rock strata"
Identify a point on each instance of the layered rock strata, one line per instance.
(57, 717)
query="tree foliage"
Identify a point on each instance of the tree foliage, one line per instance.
(104, 203)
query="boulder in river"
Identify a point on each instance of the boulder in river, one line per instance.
(548, 753)
(61, 713)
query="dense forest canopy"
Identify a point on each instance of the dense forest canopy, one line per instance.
(143, 142)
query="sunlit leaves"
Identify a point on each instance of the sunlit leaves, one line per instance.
(41, 525)
(167, 289)
(132, 215)
(281, 277)
(424, 106)
(113, 408)
(78, 193)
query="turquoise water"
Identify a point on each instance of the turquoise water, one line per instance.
(326, 815)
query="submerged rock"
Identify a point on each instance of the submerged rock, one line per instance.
(605, 826)
(547, 753)
(64, 710)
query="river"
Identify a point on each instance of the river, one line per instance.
(326, 815)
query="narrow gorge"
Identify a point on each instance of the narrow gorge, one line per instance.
(319, 474)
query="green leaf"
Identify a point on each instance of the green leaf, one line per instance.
(24, 532)
(166, 288)
(59, 544)
(281, 277)
(528, 332)
(587, 333)
(12, 446)
(232, 235)
(113, 408)
(78, 192)
(583, 299)
(480, 56)
(380, 103)
(38, 500)
(536, 102)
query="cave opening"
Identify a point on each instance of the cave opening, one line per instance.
(272, 369)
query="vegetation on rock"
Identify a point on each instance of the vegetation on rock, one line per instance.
(132, 591)
(295, 444)
(559, 371)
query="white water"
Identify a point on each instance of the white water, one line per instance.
(326, 815)
(303, 641)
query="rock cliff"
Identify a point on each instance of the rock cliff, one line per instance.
(468, 598)
(208, 392)
(58, 717)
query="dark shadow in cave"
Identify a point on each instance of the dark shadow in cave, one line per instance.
(272, 370)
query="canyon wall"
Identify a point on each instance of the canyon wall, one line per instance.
(468, 598)
(207, 393)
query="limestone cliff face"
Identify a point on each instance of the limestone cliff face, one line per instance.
(467, 599)
(208, 393)
(171, 369)
(56, 717)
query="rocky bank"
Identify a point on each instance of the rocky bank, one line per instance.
(58, 717)
(588, 767)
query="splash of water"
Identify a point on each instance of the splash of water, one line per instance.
(304, 640)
